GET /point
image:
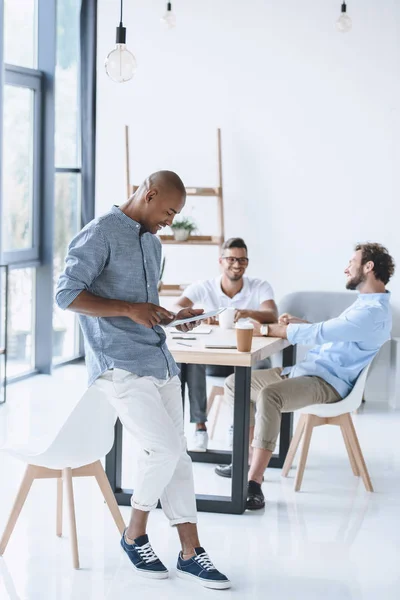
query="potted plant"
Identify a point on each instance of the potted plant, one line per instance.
(182, 228)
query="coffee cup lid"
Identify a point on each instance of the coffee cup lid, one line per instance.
(244, 325)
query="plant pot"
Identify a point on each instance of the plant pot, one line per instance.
(181, 235)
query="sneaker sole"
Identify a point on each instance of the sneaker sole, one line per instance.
(255, 507)
(225, 475)
(214, 585)
(147, 574)
(197, 449)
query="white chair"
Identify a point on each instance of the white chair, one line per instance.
(338, 413)
(74, 450)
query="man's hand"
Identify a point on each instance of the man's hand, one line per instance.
(186, 313)
(150, 315)
(212, 321)
(286, 319)
(243, 314)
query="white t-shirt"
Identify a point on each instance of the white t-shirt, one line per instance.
(209, 295)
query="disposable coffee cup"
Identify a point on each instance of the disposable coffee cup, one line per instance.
(244, 336)
(227, 318)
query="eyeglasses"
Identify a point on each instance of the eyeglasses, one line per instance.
(232, 259)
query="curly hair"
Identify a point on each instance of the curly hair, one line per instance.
(384, 265)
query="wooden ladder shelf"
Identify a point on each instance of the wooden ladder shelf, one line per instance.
(199, 240)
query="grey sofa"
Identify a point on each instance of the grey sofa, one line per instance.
(316, 306)
(313, 307)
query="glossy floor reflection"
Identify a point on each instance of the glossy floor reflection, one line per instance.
(332, 541)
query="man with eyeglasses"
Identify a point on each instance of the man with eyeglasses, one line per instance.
(252, 298)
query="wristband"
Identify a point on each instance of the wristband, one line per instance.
(264, 330)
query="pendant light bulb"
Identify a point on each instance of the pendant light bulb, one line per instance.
(344, 24)
(120, 63)
(169, 19)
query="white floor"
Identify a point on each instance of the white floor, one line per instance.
(331, 541)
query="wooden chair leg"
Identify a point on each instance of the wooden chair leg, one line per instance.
(108, 495)
(216, 390)
(294, 444)
(352, 460)
(219, 400)
(67, 477)
(59, 507)
(309, 425)
(358, 455)
(23, 492)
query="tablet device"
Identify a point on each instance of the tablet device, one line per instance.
(201, 317)
(220, 347)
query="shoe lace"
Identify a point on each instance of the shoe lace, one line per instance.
(147, 553)
(204, 561)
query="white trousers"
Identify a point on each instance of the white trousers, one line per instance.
(151, 410)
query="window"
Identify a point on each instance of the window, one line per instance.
(67, 84)
(67, 208)
(3, 334)
(21, 328)
(20, 32)
(20, 182)
(18, 167)
(41, 179)
(67, 223)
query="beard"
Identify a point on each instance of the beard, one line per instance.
(234, 277)
(357, 280)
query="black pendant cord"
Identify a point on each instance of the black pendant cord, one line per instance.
(121, 30)
(344, 7)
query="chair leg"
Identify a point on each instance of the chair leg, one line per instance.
(308, 428)
(219, 400)
(19, 502)
(59, 507)
(358, 455)
(67, 477)
(294, 444)
(216, 390)
(352, 460)
(108, 495)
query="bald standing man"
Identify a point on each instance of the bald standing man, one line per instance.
(110, 279)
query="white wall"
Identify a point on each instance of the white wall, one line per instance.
(310, 123)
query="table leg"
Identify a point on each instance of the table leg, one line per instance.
(114, 460)
(240, 454)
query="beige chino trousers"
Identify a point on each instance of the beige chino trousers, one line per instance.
(271, 394)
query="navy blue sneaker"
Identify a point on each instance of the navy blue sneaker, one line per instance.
(200, 569)
(143, 558)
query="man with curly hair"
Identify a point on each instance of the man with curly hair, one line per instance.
(343, 347)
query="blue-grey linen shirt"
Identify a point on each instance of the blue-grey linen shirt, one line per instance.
(345, 344)
(112, 257)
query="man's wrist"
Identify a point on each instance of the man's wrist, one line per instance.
(277, 330)
(125, 309)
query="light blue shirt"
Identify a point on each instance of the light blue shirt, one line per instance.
(113, 257)
(345, 345)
